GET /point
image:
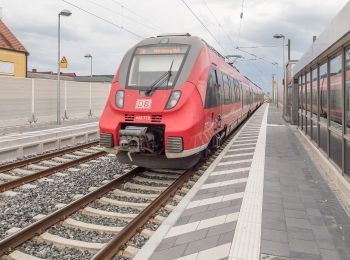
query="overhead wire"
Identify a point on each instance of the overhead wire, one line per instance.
(104, 19)
(203, 25)
(217, 20)
(138, 15)
(121, 15)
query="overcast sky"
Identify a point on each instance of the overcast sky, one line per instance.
(34, 22)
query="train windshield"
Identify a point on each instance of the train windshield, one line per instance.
(151, 62)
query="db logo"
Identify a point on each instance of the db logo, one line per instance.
(143, 103)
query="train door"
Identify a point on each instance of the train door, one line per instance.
(221, 97)
(213, 99)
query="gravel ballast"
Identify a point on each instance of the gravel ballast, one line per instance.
(46, 250)
(18, 211)
(111, 222)
(114, 208)
(82, 235)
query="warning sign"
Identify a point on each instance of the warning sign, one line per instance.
(63, 63)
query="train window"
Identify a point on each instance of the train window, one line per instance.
(151, 63)
(212, 95)
(347, 92)
(308, 91)
(335, 92)
(323, 99)
(227, 98)
(314, 93)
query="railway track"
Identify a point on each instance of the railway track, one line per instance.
(111, 221)
(149, 195)
(28, 170)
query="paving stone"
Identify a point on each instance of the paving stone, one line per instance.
(226, 237)
(191, 211)
(316, 220)
(330, 254)
(290, 213)
(205, 215)
(228, 210)
(191, 236)
(300, 233)
(183, 220)
(222, 228)
(276, 215)
(280, 226)
(305, 256)
(293, 206)
(298, 222)
(166, 243)
(219, 205)
(274, 248)
(274, 235)
(201, 244)
(170, 253)
(313, 212)
(303, 246)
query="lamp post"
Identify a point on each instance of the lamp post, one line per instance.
(89, 56)
(281, 36)
(275, 90)
(62, 13)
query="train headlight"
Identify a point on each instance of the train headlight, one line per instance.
(173, 99)
(119, 98)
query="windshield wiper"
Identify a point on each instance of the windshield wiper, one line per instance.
(164, 77)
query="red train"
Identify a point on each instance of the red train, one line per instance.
(172, 100)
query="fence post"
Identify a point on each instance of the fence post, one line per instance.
(65, 115)
(32, 120)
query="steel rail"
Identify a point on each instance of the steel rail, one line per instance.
(40, 174)
(119, 240)
(10, 166)
(14, 240)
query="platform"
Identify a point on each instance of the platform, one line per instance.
(262, 198)
(19, 145)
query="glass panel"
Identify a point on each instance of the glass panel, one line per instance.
(314, 92)
(335, 94)
(335, 148)
(347, 155)
(303, 92)
(323, 138)
(323, 93)
(347, 92)
(310, 127)
(156, 63)
(315, 131)
(308, 93)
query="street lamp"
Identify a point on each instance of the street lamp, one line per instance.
(62, 13)
(89, 56)
(281, 36)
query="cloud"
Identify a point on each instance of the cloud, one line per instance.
(35, 24)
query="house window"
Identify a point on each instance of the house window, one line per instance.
(7, 68)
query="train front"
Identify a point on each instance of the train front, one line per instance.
(154, 115)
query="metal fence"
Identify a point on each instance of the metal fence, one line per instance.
(25, 101)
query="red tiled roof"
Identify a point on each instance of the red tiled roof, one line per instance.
(8, 40)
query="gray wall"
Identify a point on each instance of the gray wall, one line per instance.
(23, 98)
